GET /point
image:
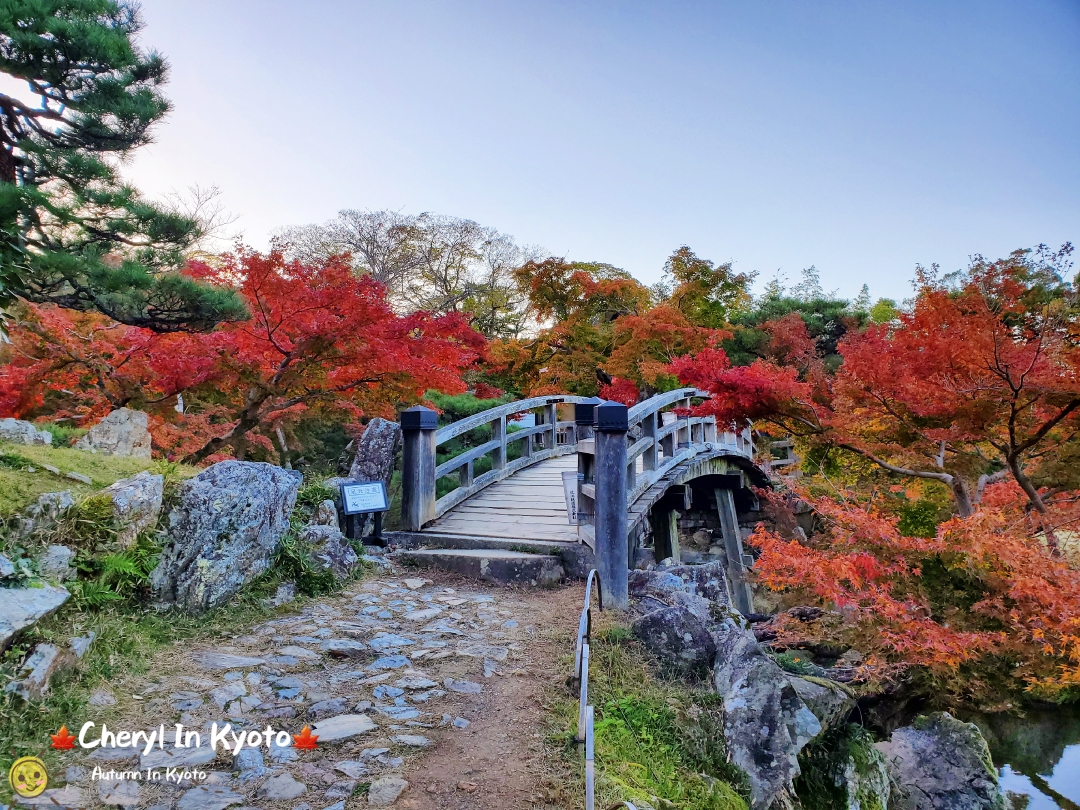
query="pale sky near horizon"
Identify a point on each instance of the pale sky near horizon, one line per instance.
(860, 137)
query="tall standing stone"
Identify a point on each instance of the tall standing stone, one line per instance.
(376, 450)
(223, 531)
(123, 432)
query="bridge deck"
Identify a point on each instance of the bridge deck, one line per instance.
(528, 505)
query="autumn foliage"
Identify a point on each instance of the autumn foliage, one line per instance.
(969, 387)
(982, 607)
(321, 340)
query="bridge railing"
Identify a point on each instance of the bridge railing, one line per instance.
(548, 438)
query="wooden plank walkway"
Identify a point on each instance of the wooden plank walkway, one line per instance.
(528, 505)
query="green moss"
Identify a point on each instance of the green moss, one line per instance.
(793, 662)
(19, 486)
(824, 764)
(656, 742)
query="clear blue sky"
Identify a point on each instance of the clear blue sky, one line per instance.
(860, 137)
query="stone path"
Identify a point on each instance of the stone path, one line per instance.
(429, 693)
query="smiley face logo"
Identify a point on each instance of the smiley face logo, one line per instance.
(28, 777)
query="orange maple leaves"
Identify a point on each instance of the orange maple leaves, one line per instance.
(305, 740)
(62, 740)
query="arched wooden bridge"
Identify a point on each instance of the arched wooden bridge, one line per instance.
(500, 498)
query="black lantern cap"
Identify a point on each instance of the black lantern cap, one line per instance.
(419, 418)
(585, 412)
(612, 417)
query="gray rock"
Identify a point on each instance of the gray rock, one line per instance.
(707, 581)
(342, 727)
(389, 642)
(326, 708)
(343, 648)
(766, 723)
(230, 691)
(337, 806)
(178, 757)
(388, 662)
(941, 763)
(330, 549)
(464, 687)
(24, 607)
(679, 638)
(208, 797)
(18, 431)
(81, 644)
(121, 792)
(102, 697)
(415, 681)
(123, 432)
(830, 702)
(325, 514)
(352, 769)
(342, 789)
(223, 532)
(77, 476)
(68, 797)
(7, 568)
(45, 662)
(411, 740)
(136, 504)
(385, 790)
(460, 722)
(42, 514)
(286, 592)
(55, 564)
(376, 450)
(212, 660)
(281, 787)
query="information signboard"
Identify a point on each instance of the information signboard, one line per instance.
(359, 497)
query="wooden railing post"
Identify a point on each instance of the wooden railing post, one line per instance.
(418, 425)
(611, 508)
(648, 429)
(498, 431)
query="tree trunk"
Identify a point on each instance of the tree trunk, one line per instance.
(1036, 501)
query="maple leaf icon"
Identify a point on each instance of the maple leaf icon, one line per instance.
(62, 740)
(305, 740)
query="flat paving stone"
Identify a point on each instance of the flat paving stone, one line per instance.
(343, 727)
(209, 797)
(212, 660)
(385, 790)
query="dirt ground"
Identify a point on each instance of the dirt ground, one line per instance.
(500, 759)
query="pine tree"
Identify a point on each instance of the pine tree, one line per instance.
(71, 231)
(862, 301)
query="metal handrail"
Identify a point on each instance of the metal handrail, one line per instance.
(581, 672)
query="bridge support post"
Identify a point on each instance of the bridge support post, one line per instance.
(741, 594)
(418, 425)
(611, 519)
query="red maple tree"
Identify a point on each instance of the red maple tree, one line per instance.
(320, 340)
(968, 388)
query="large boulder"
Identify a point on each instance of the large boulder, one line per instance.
(708, 581)
(42, 514)
(23, 607)
(941, 763)
(831, 702)
(766, 723)
(223, 532)
(376, 450)
(136, 504)
(678, 635)
(330, 549)
(18, 431)
(123, 432)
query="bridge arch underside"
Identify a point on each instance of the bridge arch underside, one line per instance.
(701, 511)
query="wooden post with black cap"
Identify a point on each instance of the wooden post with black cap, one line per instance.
(418, 426)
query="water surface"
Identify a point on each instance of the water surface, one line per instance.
(1037, 756)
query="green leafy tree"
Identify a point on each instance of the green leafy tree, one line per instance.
(707, 294)
(71, 231)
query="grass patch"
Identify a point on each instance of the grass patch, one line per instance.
(19, 486)
(129, 635)
(658, 742)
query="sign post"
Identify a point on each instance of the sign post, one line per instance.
(362, 498)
